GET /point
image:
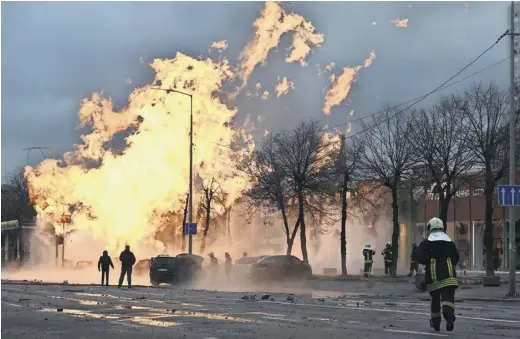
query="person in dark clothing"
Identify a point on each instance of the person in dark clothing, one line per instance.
(368, 254)
(387, 256)
(104, 264)
(440, 255)
(414, 265)
(496, 258)
(228, 265)
(127, 259)
(213, 265)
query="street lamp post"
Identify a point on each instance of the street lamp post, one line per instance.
(190, 198)
(512, 150)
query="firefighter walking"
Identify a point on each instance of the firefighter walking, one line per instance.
(414, 265)
(387, 256)
(368, 254)
(440, 255)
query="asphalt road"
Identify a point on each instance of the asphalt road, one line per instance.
(56, 311)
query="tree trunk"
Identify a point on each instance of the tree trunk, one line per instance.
(286, 228)
(488, 232)
(184, 223)
(290, 240)
(343, 237)
(229, 240)
(444, 205)
(206, 230)
(395, 231)
(303, 236)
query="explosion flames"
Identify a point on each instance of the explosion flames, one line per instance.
(121, 196)
(125, 192)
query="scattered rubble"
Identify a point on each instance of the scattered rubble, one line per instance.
(248, 297)
(290, 297)
(266, 297)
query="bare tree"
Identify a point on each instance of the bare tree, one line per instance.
(486, 108)
(270, 186)
(388, 159)
(212, 194)
(15, 197)
(348, 166)
(438, 139)
(307, 161)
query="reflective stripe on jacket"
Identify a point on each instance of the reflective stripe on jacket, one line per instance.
(440, 256)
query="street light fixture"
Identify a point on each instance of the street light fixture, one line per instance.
(190, 198)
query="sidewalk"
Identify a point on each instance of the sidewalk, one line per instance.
(481, 293)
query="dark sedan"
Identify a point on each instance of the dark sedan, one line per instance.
(281, 267)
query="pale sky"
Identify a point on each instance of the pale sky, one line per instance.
(55, 54)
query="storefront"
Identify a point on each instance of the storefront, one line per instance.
(16, 241)
(465, 223)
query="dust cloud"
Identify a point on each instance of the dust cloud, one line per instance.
(258, 237)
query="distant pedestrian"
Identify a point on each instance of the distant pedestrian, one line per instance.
(387, 255)
(414, 265)
(213, 265)
(368, 254)
(228, 265)
(127, 259)
(244, 254)
(104, 264)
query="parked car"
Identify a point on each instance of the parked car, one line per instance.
(142, 267)
(179, 269)
(280, 267)
(242, 267)
(81, 265)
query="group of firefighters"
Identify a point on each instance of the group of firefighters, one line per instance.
(440, 257)
(368, 254)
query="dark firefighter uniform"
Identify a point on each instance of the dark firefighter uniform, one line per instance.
(368, 254)
(387, 256)
(440, 256)
(414, 264)
(104, 264)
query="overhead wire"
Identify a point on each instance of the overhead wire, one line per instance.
(431, 92)
(418, 99)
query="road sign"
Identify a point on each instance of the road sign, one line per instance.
(509, 195)
(190, 229)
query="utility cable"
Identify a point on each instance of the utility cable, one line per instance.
(418, 99)
(433, 91)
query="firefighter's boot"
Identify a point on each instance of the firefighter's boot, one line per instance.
(450, 320)
(435, 323)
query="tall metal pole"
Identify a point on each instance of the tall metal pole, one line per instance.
(512, 162)
(190, 214)
(63, 246)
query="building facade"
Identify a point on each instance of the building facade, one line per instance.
(465, 223)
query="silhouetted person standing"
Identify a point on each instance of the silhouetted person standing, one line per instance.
(104, 264)
(127, 259)
(213, 265)
(228, 265)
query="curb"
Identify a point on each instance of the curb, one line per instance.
(36, 283)
(399, 279)
(461, 300)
